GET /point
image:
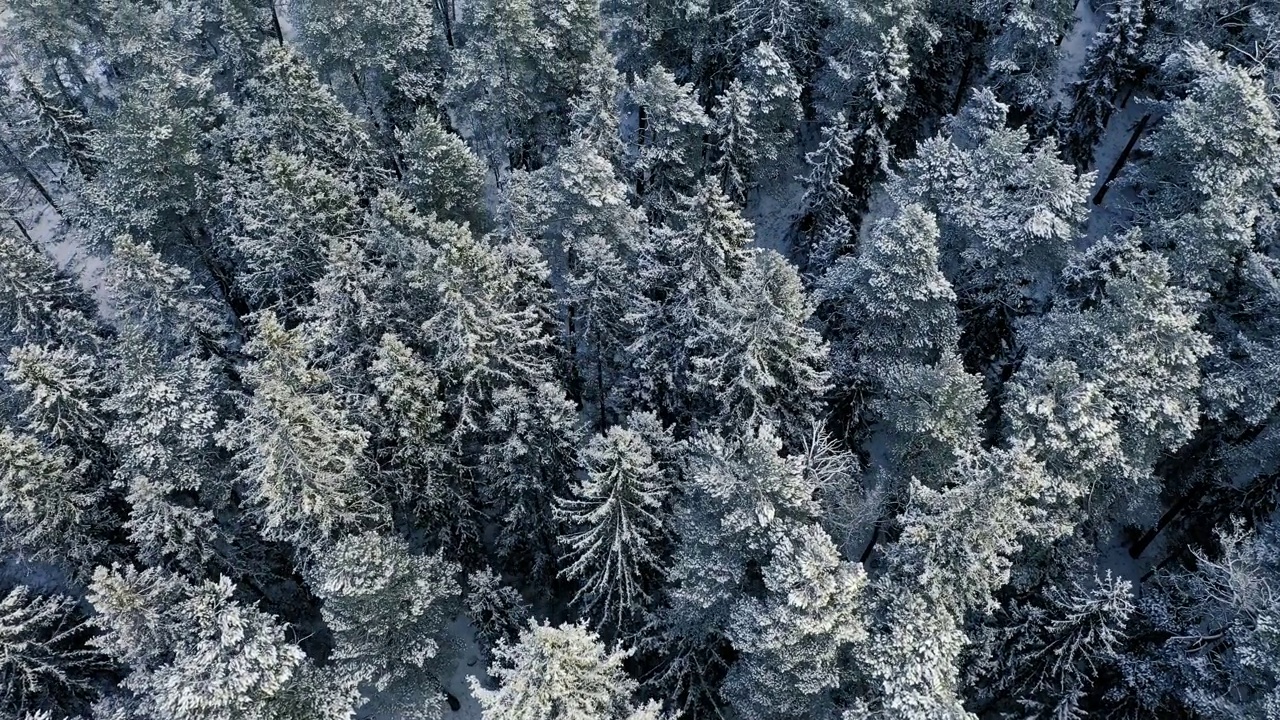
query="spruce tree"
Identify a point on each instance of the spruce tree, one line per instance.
(793, 639)
(1111, 68)
(44, 664)
(195, 652)
(557, 673)
(301, 456)
(386, 608)
(617, 523)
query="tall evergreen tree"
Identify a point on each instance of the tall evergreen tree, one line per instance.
(386, 608)
(792, 640)
(301, 456)
(755, 119)
(194, 651)
(441, 175)
(1112, 67)
(669, 153)
(52, 507)
(44, 664)
(1132, 337)
(1205, 188)
(617, 519)
(740, 498)
(559, 673)
(517, 70)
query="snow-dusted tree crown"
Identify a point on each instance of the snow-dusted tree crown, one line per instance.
(639, 360)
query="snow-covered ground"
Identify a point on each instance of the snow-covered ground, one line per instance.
(470, 662)
(1074, 47)
(774, 209)
(1112, 215)
(72, 257)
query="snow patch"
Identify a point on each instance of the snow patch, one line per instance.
(470, 663)
(1112, 216)
(774, 209)
(1074, 49)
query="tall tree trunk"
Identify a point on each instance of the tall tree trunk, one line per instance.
(32, 180)
(22, 228)
(275, 23)
(446, 17)
(1124, 158)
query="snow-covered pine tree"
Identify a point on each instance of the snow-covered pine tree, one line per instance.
(1111, 67)
(166, 416)
(593, 239)
(1133, 340)
(828, 201)
(895, 357)
(559, 673)
(1046, 654)
(166, 385)
(480, 334)
(755, 120)
(1206, 188)
(792, 640)
(60, 390)
(527, 461)
(43, 130)
(287, 107)
(194, 652)
(1242, 379)
(955, 551)
(38, 302)
(412, 415)
(1024, 52)
(1210, 647)
(792, 26)
(754, 360)
(393, 53)
(283, 211)
(44, 663)
(441, 174)
(891, 296)
(1009, 210)
(351, 305)
(861, 41)
(56, 36)
(669, 153)
(616, 520)
(872, 52)
(386, 607)
(517, 70)
(157, 173)
(740, 496)
(51, 503)
(693, 267)
(162, 302)
(495, 609)
(301, 456)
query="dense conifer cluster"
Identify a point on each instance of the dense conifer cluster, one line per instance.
(639, 359)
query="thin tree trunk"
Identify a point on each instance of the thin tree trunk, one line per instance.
(964, 83)
(275, 23)
(642, 129)
(1139, 547)
(221, 277)
(31, 177)
(871, 544)
(1124, 158)
(22, 228)
(445, 17)
(599, 382)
